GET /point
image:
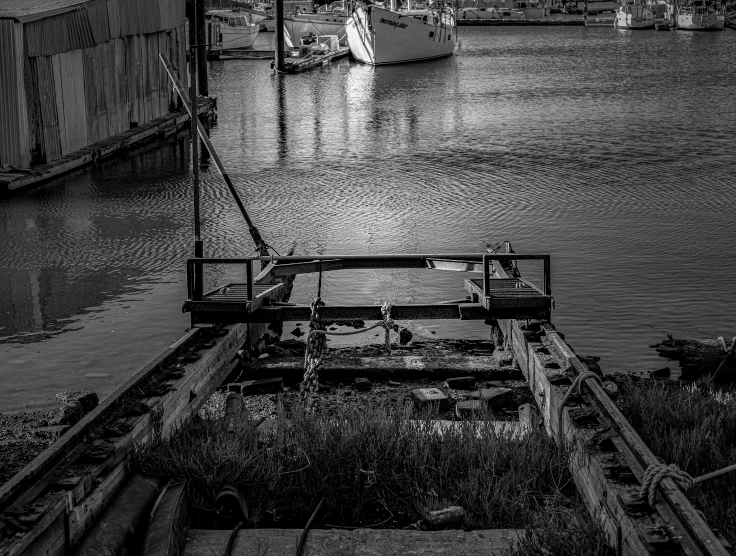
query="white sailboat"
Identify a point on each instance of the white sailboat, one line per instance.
(380, 36)
(634, 14)
(700, 15)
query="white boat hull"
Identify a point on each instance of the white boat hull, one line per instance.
(237, 37)
(297, 27)
(378, 36)
(637, 16)
(701, 22)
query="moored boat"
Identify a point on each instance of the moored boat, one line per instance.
(634, 14)
(231, 29)
(380, 36)
(503, 9)
(700, 15)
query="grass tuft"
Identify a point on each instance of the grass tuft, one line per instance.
(694, 427)
(375, 467)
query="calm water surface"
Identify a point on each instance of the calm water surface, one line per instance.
(613, 151)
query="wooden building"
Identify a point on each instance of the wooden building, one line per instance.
(74, 72)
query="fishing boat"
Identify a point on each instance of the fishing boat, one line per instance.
(379, 36)
(634, 14)
(700, 15)
(231, 29)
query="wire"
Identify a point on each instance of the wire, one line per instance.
(303, 538)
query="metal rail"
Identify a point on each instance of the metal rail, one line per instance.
(255, 234)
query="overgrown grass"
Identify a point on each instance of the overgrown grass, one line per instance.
(694, 427)
(375, 465)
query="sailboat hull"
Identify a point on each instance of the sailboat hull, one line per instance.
(378, 36)
(701, 22)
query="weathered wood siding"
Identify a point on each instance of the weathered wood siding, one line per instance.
(86, 74)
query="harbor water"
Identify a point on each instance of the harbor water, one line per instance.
(611, 150)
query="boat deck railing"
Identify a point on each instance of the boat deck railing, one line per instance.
(255, 300)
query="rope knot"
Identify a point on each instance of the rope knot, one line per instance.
(388, 324)
(658, 471)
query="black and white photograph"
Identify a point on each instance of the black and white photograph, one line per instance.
(367, 277)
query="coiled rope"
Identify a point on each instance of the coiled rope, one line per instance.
(658, 471)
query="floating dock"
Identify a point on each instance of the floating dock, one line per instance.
(551, 22)
(66, 501)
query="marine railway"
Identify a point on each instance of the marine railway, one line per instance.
(77, 497)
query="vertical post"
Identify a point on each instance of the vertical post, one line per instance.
(279, 62)
(198, 247)
(486, 278)
(547, 276)
(585, 12)
(249, 278)
(200, 37)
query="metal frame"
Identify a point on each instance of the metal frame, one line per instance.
(260, 309)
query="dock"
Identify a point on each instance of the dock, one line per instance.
(12, 179)
(547, 22)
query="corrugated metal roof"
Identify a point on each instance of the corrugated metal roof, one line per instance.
(30, 10)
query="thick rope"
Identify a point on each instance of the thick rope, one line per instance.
(312, 357)
(316, 344)
(578, 382)
(658, 471)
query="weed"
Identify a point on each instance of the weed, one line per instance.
(375, 467)
(694, 427)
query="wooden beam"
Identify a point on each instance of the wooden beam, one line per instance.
(609, 458)
(228, 312)
(364, 542)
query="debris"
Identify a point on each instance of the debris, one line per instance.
(425, 398)
(461, 382)
(445, 518)
(664, 372)
(493, 398)
(362, 384)
(405, 336)
(262, 386)
(468, 409)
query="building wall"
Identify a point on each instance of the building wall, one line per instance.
(13, 123)
(85, 75)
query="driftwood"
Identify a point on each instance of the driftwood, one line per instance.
(699, 358)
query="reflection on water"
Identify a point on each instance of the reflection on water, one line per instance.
(613, 151)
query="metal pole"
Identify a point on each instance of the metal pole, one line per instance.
(260, 244)
(279, 62)
(201, 41)
(194, 119)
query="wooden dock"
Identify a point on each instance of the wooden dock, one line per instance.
(313, 60)
(551, 22)
(163, 126)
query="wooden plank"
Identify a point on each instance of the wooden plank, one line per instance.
(59, 99)
(603, 446)
(35, 145)
(345, 369)
(83, 516)
(363, 542)
(75, 110)
(47, 98)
